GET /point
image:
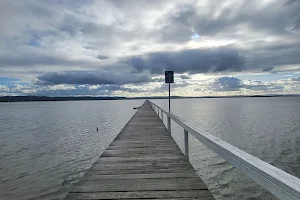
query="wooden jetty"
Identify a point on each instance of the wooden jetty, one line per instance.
(143, 162)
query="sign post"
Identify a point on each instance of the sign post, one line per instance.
(169, 78)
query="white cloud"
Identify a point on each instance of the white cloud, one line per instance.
(215, 38)
(212, 87)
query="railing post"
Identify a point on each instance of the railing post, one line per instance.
(158, 111)
(186, 143)
(169, 124)
(161, 115)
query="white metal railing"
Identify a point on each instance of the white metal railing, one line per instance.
(279, 183)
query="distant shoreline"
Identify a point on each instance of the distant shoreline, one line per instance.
(84, 98)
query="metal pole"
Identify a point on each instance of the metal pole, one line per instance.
(186, 143)
(169, 124)
(169, 98)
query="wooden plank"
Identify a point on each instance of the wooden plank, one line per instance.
(147, 150)
(195, 194)
(146, 157)
(190, 174)
(144, 166)
(138, 171)
(143, 162)
(144, 146)
(132, 152)
(159, 184)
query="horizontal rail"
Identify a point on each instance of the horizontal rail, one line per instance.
(278, 182)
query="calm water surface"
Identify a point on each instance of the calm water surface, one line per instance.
(268, 128)
(46, 147)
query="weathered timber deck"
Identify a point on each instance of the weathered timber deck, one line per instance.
(143, 162)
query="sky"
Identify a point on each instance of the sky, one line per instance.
(123, 47)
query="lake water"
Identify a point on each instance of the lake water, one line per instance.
(46, 147)
(267, 128)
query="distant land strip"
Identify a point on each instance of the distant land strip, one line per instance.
(77, 98)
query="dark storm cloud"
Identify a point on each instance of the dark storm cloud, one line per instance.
(295, 79)
(227, 84)
(91, 78)
(185, 77)
(190, 61)
(102, 57)
(263, 57)
(266, 56)
(267, 69)
(235, 84)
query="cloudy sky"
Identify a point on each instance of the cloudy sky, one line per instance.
(122, 48)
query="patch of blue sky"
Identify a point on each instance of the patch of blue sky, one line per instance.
(35, 37)
(9, 81)
(195, 36)
(34, 40)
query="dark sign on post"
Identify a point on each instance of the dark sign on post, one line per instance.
(169, 76)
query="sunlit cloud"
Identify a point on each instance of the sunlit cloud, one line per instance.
(80, 48)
